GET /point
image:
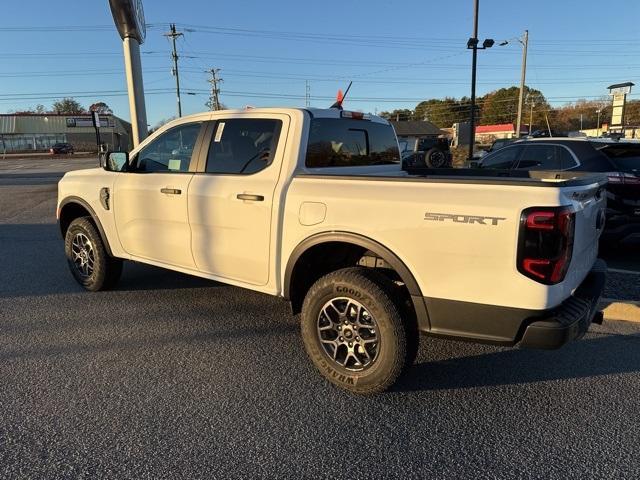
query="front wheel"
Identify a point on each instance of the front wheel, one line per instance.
(88, 260)
(353, 331)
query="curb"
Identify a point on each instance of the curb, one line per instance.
(628, 311)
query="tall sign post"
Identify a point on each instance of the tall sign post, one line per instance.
(95, 119)
(618, 92)
(128, 16)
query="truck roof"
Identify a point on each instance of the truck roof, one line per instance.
(315, 112)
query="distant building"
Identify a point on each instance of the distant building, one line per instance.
(38, 132)
(415, 130)
(486, 134)
(629, 131)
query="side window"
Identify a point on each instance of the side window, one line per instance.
(338, 142)
(539, 157)
(243, 146)
(502, 159)
(170, 152)
(566, 159)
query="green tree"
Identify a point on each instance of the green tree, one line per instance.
(402, 114)
(68, 106)
(501, 106)
(101, 107)
(444, 112)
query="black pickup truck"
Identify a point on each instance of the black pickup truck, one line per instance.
(426, 152)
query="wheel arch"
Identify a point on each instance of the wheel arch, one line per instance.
(73, 207)
(366, 244)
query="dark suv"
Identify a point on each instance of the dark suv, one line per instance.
(61, 148)
(618, 159)
(427, 152)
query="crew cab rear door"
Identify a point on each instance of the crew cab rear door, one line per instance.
(231, 196)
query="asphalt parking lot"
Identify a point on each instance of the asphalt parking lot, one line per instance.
(171, 376)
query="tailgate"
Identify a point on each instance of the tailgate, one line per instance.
(589, 204)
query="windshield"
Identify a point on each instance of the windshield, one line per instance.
(625, 156)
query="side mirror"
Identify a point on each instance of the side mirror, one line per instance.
(474, 164)
(116, 161)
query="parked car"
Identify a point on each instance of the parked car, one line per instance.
(619, 159)
(499, 143)
(311, 205)
(427, 152)
(61, 149)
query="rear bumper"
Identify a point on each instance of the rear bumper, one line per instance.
(572, 318)
(510, 326)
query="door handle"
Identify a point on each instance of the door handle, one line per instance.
(171, 191)
(250, 197)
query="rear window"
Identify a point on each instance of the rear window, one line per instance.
(625, 157)
(340, 142)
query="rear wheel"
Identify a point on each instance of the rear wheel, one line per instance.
(353, 330)
(88, 260)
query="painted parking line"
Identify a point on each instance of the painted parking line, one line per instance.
(625, 310)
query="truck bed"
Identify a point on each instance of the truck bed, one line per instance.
(540, 178)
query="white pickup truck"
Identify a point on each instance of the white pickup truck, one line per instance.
(312, 205)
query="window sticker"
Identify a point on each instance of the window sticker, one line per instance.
(174, 164)
(219, 131)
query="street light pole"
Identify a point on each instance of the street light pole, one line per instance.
(525, 44)
(474, 62)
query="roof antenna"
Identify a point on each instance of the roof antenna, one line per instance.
(340, 97)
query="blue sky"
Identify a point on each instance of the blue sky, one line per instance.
(395, 52)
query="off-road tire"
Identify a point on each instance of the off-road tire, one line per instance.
(376, 294)
(435, 158)
(105, 271)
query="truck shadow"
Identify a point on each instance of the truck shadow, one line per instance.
(33, 263)
(598, 354)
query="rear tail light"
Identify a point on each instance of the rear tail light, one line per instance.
(546, 243)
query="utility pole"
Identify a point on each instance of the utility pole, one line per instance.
(214, 96)
(173, 34)
(307, 94)
(598, 111)
(525, 44)
(581, 122)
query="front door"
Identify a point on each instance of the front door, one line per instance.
(150, 201)
(231, 201)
